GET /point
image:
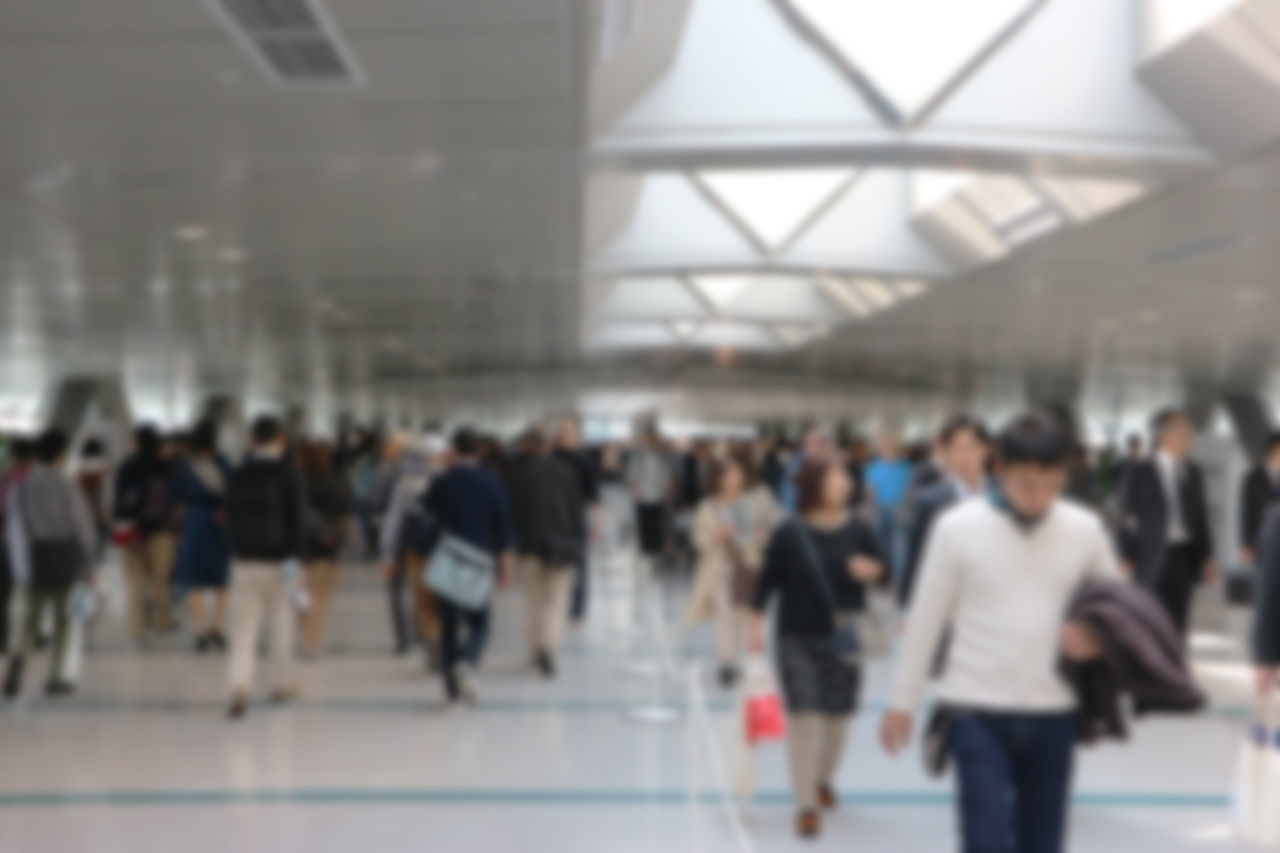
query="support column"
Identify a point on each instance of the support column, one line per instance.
(1251, 421)
(1058, 393)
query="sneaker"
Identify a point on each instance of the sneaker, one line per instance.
(13, 678)
(808, 824)
(827, 799)
(542, 663)
(728, 676)
(284, 694)
(239, 706)
(58, 687)
(466, 684)
(203, 643)
(217, 641)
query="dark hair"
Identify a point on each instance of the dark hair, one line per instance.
(93, 448)
(957, 424)
(811, 483)
(315, 457)
(1165, 418)
(51, 445)
(265, 429)
(204, 438)
(22, 449)
(147, 439)
(1273, 440)
(1034, 439)
(466, 442)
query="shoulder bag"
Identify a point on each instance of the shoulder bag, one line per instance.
(460, 572)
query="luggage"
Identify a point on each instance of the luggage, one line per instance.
(461, 573)
(1256, 798)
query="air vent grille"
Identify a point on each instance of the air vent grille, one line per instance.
(293, 42)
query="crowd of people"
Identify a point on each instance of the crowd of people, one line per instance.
(1019, 570)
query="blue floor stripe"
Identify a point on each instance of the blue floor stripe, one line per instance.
(533, 797)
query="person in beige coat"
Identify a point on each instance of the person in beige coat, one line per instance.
(729, 532)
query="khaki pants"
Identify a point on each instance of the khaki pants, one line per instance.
(731, 625)
(815, 744)
(546, 597)
(322, 577)
(259, 593)
(426, 616)
(149, 567)
(59, 600)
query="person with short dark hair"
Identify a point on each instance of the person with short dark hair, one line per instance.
(204, 564)
(329, 508)
(569, 450)
(1163, 519)
(549, 512)
(51, 543)
(266, 530)
(1002, 572)
(1260, 489)
(468, 502)
(651, 477)
(962, 449)
(817, 566)
(145, 530)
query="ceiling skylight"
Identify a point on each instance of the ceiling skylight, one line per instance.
(774, 205)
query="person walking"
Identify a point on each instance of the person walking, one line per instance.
(569, 450)
(204, 564)
(328, 515)
(817, 566)
(1258, 491)
(888, 478)
(1163, 519)
(51, 541)
(266, 513)
(549, 512)
(651, 479)
(468, 502)
(1002, 573)
(144, 529)
(21, 457)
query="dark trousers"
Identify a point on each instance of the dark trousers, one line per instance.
(400, 633)
(453, 650)
(581, 583)
(1014, 772)
(1176, 585)
(6, 593)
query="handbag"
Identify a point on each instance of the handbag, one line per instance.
(460, 572)
(937, 741)
(845, 642)
(1255, 802)
(1239, 586)
(762, 718)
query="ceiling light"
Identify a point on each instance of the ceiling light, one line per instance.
(876, 292)
(231, 255)
(191, 233)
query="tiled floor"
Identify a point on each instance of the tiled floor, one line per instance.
(142, 760)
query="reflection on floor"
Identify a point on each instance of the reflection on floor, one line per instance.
(142, 759)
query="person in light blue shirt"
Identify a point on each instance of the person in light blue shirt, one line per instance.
(888, 477)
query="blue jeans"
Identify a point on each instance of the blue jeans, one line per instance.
(1014, 772)
(889, 537)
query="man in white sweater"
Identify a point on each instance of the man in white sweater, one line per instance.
(1002, 573)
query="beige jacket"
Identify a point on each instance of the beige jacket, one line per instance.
(714, 570)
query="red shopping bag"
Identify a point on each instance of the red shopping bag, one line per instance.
(764, 718)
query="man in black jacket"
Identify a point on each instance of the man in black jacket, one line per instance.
(963, 446)
(548, 512)
(1164, 534)
(265, 512)
(1259, 490)
(1266, 614)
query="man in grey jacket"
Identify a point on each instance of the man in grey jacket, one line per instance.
(51, 540)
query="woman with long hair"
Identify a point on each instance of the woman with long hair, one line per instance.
(203, 565)
(329, 508)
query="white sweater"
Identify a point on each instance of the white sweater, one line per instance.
(1005, 592)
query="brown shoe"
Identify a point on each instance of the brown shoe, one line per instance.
(827, 797)
(808, 824)
(239, 706)
(285, 694)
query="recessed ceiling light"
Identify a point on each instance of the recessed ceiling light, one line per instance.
(231, 255)
(191, 233)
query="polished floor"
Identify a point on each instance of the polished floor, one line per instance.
(622, 752)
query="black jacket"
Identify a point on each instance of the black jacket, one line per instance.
(929, 504)
(1266, 612)
(266, 510)
(144, 494)
(1256, 494)
(1143, 657)
(547, 509)
(1143, 519)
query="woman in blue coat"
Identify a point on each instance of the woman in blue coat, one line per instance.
(200, 483)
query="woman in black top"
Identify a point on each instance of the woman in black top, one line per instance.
(329, 508)
(819, 684)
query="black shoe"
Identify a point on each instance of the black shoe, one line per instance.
(728, 676)
(57, 687)
(13, 678)
(239, 706)
(217, 642)
(545, 664)
(203, 643)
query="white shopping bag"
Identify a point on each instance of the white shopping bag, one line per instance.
(1256, 799)
(83, 606)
